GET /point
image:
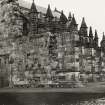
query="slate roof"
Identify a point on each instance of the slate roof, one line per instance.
(43, 10)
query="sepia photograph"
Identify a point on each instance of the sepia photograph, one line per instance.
(52, 52)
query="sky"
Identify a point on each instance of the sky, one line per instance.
(92, 10)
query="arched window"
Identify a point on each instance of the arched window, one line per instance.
(25, 27)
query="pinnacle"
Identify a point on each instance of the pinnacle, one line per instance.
(73, 22)
(49, 12)
(83, 24)
(63, 18)
(70, 15)
(96, 35)
(90, 32)
(33, 7)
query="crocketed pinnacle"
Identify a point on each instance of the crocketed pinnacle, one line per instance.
(90, 32)
(73, 21)
(63, 18)
(69, 17)
(83, 28)
(96, 35)
(49, 12)
(33, 8)
(83, 24)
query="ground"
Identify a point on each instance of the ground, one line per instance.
(98, 87)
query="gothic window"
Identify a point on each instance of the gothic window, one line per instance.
(81, 39)
(86, 40)
(25, 27)
(77, 59)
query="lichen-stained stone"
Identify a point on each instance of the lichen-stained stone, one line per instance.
(30, 56)
(41, 55)
(11, 26)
